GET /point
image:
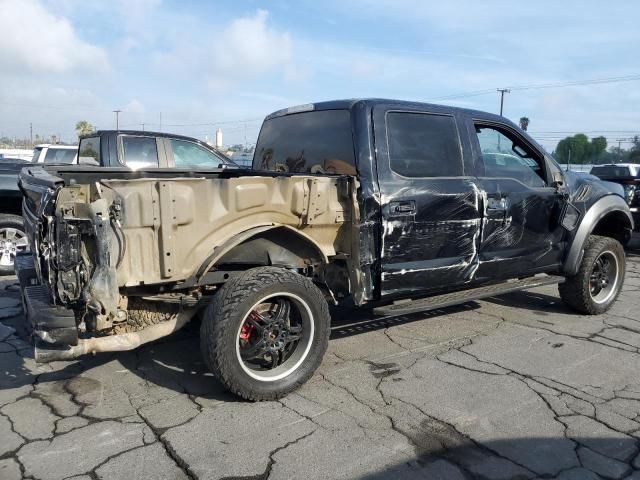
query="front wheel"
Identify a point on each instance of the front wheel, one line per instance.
(13, 240)
(265, 333)
(599, 280)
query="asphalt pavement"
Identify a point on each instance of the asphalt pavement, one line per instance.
(516, 386)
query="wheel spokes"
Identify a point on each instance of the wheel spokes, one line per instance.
(258, 349)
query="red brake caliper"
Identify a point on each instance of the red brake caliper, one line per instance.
(247, 328)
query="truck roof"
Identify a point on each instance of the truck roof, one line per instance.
(56, 145)
(348, 104)
(146, 133)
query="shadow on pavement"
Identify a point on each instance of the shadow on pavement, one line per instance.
(518, 458)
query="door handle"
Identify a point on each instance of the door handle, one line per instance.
(403, 208)
(497, 205)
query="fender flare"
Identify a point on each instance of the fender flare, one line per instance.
(241, 237)
(601, 208)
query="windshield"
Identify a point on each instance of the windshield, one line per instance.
(89, 151)
(36, 154)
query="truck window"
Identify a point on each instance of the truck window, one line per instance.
(189, 154)
(60, 155)
(36, 154)
(423, 145)
(307, 142)
(507, 157)
(139, 152)
(89, 151)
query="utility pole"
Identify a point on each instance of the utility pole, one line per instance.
(620, 140)
(117, 112)
(143, 127)
(31, 133)
(502, 92)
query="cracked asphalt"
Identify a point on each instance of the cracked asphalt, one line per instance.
(515, 387)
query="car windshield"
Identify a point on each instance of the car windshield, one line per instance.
(89, 151)
(36, 154)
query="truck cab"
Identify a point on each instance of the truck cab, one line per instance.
(135, 149)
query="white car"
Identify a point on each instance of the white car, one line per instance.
(54, 153)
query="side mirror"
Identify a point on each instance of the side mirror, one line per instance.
(558, 179)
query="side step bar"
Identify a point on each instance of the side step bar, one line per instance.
(462, 296)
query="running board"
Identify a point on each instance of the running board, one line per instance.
(462, 296)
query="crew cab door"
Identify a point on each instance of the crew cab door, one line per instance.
(430, 206)
(521, 233)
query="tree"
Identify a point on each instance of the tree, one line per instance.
(573, 149)
(598, 145)
(524, 123)
(84, 128)
(578, 149)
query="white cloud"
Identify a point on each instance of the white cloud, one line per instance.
(249, 43)
(33, 39)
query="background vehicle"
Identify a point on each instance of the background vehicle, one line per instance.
(108, 148)
(627, 175)
(55, 153)
(359, 203)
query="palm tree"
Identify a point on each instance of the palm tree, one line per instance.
(84, 128)
(524, 123)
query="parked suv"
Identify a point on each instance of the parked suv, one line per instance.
(365, 203)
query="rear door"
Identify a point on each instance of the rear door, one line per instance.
(429, 202)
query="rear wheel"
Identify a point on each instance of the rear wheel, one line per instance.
(13, 240)
(599, 280)
(265, 333)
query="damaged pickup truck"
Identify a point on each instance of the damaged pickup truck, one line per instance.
(363, 203)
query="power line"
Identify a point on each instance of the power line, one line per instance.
(574, 83)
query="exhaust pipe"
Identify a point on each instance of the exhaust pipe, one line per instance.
(114, 343)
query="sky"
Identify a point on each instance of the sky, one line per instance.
(200, 65)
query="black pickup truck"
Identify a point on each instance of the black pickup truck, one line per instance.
(132, 149)
(362, 203)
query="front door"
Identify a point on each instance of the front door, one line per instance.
(430, 207)
(521, 233)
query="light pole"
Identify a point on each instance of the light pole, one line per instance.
(117, 112)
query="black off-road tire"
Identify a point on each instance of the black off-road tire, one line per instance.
(575, 290)
(228, 310)
(10, 221)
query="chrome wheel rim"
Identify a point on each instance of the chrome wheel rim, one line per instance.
(604, 278)
(274, 337)
(12, 242)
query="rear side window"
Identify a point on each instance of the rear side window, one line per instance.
(423, 145)
(139, 152)
(308, 142)
(60, 155)
(89, 151)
